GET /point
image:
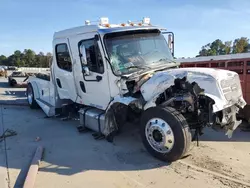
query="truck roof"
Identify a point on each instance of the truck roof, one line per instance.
(103, 28)
(218, 57)
(99, 29)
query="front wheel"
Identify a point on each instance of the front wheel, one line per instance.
(165, 133)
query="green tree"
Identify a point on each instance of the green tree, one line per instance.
(29, 58)
(40, 59)
(11, 60)
(18, 58)
(240, 45)
(3, 60)
(217, 47)
(228, 47)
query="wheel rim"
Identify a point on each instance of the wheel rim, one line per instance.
(30, 95)
(159, 135)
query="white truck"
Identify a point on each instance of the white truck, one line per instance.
(109, 74)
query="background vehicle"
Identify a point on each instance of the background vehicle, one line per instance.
(110, 74)
(13, 68)
(239, 63)
(2, 71)
(17, 77)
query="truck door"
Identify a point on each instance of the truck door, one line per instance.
(63, 69)
(90, 71)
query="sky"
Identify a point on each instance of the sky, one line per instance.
(31, 24)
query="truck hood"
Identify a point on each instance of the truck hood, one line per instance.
(222, 86)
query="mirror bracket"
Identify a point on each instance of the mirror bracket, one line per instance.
(170, 40)
(82, 55)
(96, 38)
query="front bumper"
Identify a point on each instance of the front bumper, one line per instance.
(229, 121)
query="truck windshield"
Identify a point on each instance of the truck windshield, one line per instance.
(131, 51)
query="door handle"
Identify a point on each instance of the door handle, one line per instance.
(58, 82)
(98, 78)
(82, 86)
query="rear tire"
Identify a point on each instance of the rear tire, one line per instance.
(30, 97)
(165, 133)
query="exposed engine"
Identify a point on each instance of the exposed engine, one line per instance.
(188, 98)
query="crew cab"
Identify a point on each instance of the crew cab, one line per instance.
(110, 74)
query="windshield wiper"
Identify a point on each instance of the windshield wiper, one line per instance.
(163, 59)
(138, 67)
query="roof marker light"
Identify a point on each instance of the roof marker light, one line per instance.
(146, 20)
(107, 25)
(87, 22)
(104, 21)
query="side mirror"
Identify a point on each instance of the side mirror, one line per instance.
(83, 55)
(85, 71)
(170, 40)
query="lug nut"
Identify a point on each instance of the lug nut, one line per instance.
(163, 125)
(168, 132)
(170, 141)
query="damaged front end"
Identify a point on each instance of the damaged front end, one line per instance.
(205, 97)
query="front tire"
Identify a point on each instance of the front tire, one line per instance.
(30, 97)
(165, 133)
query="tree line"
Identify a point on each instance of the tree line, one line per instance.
(218, 47)
(27, 58)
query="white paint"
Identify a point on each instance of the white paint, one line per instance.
(67, 89)
(97, 93)
(207, 78)
(122, 100)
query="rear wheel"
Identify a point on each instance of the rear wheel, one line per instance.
(165, 133)
(30, 97)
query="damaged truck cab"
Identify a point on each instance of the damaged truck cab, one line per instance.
(115, 73)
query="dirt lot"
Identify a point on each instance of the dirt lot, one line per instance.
(74, 160)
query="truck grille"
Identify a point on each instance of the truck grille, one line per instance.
(232, 88)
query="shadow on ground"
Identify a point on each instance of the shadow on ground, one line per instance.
(11, 95)
(219, 135)
(4, 84)
(15, 94)
(68, 152)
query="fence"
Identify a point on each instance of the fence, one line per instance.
(33, 69)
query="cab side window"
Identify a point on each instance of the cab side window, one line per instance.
(63, 57)
(93, 56)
